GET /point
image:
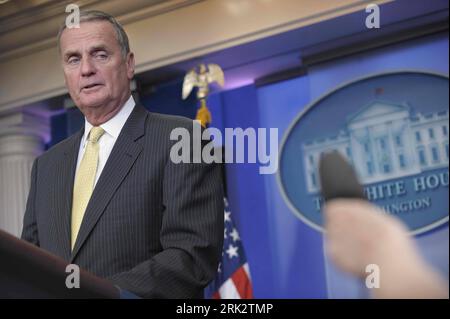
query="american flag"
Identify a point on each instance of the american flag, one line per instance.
(233, 276)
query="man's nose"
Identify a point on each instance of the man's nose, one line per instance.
(87, 67)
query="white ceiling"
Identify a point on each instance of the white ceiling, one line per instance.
(24, 22)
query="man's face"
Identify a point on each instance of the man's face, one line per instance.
(95, 71)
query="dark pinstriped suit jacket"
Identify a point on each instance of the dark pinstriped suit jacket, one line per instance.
(152, 227)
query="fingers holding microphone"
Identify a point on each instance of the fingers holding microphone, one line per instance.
(359, 234)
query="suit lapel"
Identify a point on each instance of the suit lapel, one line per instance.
(123, 155)
(65, 185)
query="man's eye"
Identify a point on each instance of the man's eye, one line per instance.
(73, 60)
(101, 56)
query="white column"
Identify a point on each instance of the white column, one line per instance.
(22, 139)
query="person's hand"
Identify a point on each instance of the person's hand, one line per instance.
(359, 234)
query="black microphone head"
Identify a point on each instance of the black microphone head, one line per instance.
(338, 179)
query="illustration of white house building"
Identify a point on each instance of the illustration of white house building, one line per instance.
(384, 141)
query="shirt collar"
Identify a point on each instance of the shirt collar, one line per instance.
(114, 125)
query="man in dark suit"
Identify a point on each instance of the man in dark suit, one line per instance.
(109, 198)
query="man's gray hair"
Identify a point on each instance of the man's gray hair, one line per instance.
(94, 15)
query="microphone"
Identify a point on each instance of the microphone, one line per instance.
(338, 179)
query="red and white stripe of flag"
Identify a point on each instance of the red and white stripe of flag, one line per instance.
(238, 286)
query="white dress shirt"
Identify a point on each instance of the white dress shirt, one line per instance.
(112, 130)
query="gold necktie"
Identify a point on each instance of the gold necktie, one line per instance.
(84, 180)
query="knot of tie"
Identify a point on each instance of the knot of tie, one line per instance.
(95, 134)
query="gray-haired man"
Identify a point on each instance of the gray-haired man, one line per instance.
(109, 198)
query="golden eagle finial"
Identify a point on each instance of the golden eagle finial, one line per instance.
(206, 74)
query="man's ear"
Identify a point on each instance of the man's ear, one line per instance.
(130, 65)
